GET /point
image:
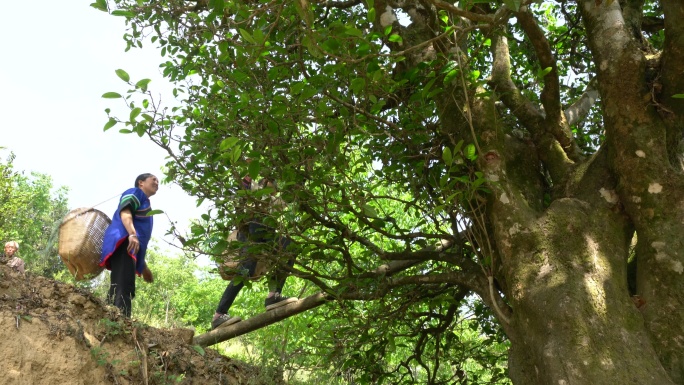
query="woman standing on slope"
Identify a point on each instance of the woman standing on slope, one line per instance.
(125, 242)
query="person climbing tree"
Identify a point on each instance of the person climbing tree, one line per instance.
(256, 237)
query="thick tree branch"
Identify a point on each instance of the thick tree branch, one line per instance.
(259, 321)
(339, 4)
(550, 151)
(651, 24)
(579, 110)
(510, 95)
(616, 54)
(633, 12)
(265, 319)
(550, 95)
(459, 12)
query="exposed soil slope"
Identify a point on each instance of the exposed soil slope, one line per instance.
(56, 334)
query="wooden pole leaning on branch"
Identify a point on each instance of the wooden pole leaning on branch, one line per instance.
(259, 321)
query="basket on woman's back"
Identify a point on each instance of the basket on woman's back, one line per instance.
(81, 235)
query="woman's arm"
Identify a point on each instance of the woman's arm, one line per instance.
(127, 220)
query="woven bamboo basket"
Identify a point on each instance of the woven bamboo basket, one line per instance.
(231, 263)
(81, 235)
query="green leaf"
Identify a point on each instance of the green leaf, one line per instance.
(544, 72)
(142, 84)
(447, 156)
(228, 143)
(111, 95)
(134, 113)
(377, 107)
(139, 129)
(369, 211)
(111, 123)
(426, 88)
(358, 84)
(199, 350)
(297, 87)
(470, 152)
(120, 12)
(353, 32)
(395, 38)
(123, 75)
(217, 6)
(247, 36)
(331, 45)
(371, 15)
(678, 96)
(450, 76)
(154, 212)
(254, 168)
(235, 154)
(101, 5)
(458, 146)
(307, 93)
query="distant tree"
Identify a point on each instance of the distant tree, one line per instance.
(31, 210)
(507, 149)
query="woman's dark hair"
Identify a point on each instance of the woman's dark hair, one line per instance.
(141, 178)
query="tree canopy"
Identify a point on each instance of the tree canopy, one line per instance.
(524, 153)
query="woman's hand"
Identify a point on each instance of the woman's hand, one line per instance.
(133, 244)
(147, 275)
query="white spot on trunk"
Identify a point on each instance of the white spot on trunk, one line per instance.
(514, 229)
(609, 195)
(504, 199)
(387, 17)
(661, 256)
(607, 363)
(604, 65)
(636, 199)
(544, 270)
(640, 154)
(655, 188)
(492, 177)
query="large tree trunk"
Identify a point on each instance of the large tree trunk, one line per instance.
(564, 267)
(573, 315)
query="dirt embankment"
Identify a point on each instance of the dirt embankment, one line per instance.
(55, 334)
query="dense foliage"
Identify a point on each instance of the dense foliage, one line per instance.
(440, 160)
(31, 210)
